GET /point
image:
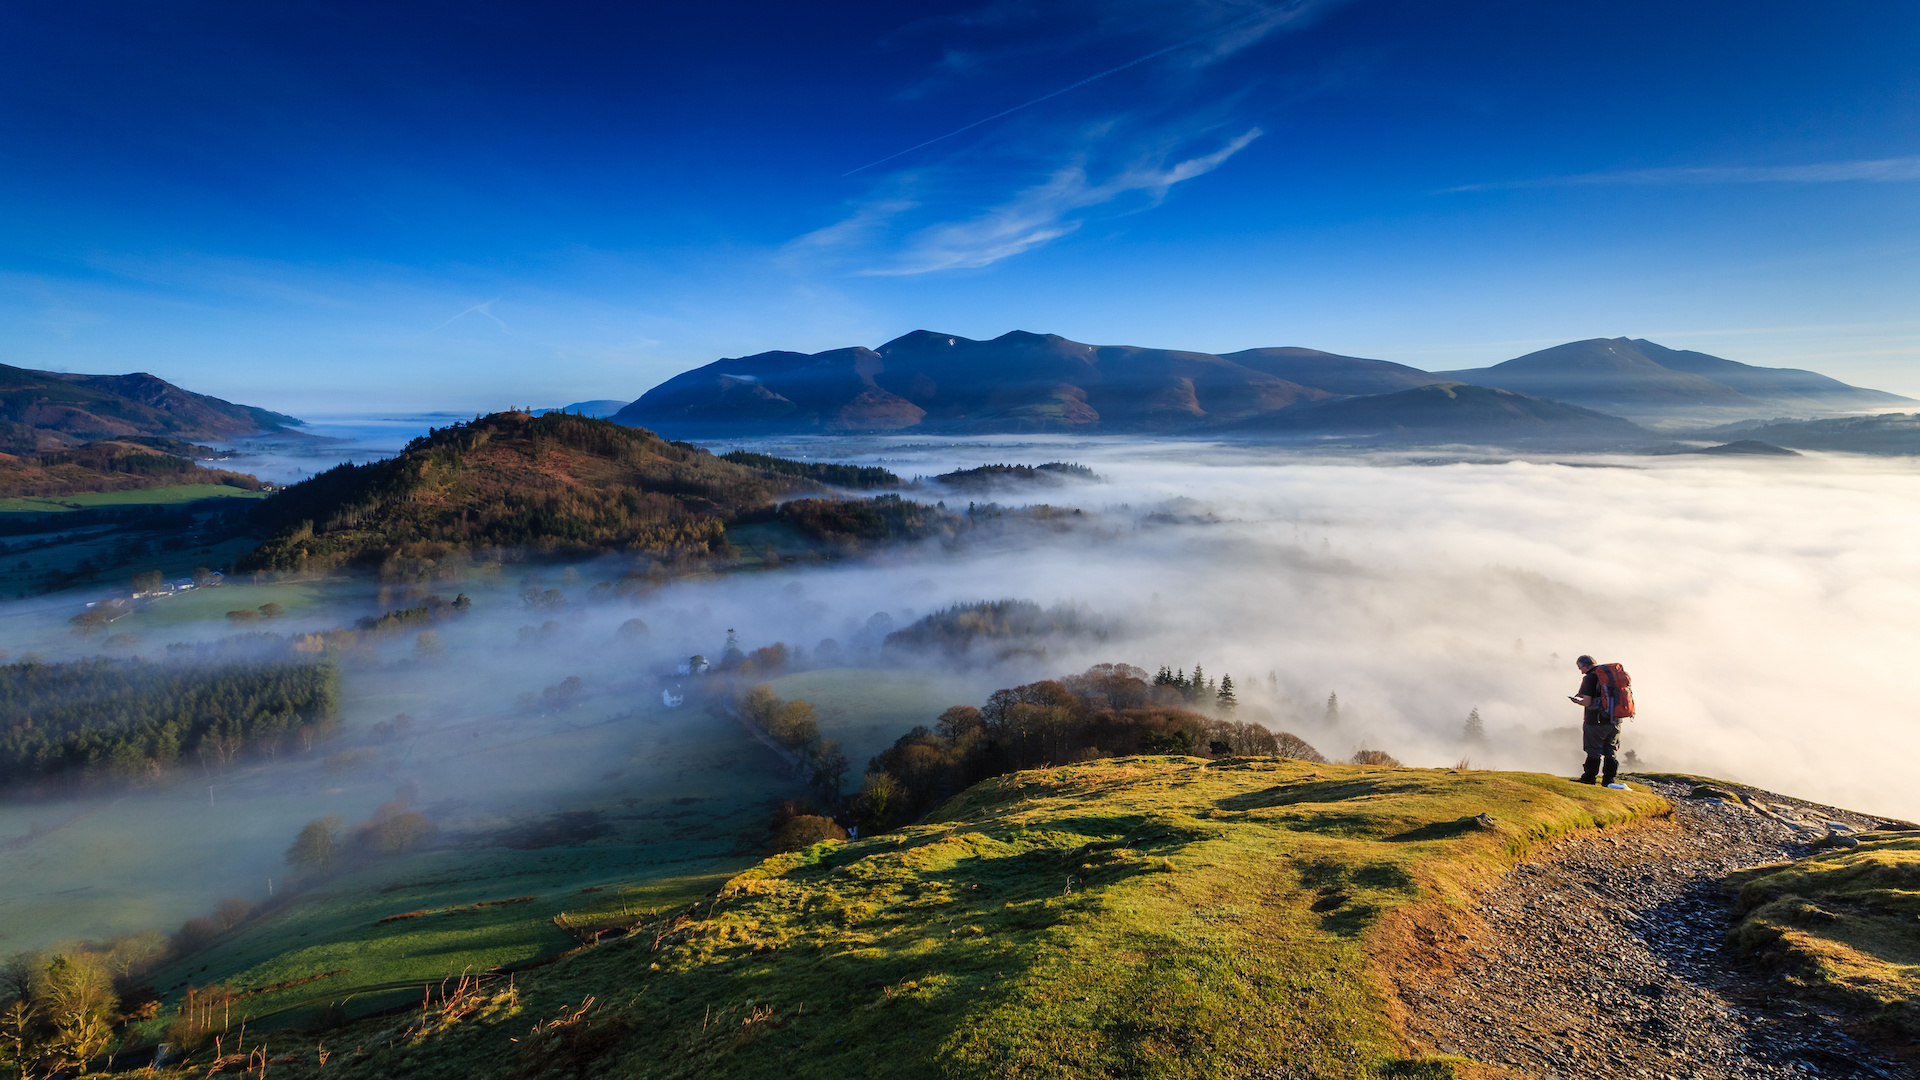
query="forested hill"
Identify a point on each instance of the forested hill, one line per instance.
(112, 465)
(48, 410)
(557, 483)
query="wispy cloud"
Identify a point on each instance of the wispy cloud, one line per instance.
(485, 308)
(1042, 213)
(1882, 170)
(856, 228)
(1234, 36)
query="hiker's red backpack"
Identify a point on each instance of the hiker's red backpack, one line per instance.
(1615, 698)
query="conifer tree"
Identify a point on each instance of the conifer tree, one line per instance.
(1476, 732)
(1224, 698)
(1333, 708)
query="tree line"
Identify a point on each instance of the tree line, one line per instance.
(795, 725)
(1109, 710)
(824, 472)
(853, 523)
(127, 718)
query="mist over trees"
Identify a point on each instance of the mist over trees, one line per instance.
(985, 476)
(127, 718)
(1109, 710)
(1000, 628)
(795, 725)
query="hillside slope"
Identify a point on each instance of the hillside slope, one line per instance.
(1152, 917)
(1640, 379)
(1333, 372)
(1444, 410)
(1883, 433)
(556, 483)
(107, 466)
(41, 410)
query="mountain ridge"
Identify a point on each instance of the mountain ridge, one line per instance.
(48, 410)
(1024, 382)
(1643, 379)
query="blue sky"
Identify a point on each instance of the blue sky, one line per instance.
(345, 206)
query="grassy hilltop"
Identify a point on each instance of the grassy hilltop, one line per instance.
(1145, 916)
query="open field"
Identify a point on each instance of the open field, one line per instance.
(1139, 916)
(166, 496)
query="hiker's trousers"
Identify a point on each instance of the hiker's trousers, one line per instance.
(1600, 740)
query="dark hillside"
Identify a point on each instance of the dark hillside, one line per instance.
(926, 381)
(1027, 382)
(1443, 410)
(1882, 433)
(42, 410)
(1333, 372)
(1635, 377)
(555, 483)
(106, 466)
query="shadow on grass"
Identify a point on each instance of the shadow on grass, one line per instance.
(1439, 830)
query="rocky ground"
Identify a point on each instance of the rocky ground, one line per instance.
(1605, 956)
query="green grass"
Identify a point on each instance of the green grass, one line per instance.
(868, 708)
(296, 597)
(1141, 917)
(337, 926)
(165, 496)
(1845, 923)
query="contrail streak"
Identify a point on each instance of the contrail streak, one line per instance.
(1216, 32)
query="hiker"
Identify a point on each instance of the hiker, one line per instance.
(1600, 733)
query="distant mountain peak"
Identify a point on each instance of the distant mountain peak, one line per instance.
(1022, 381)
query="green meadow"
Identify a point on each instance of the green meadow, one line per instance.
(165, 496)
(1150, 917)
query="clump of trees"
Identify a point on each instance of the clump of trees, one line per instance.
(795, 725)
(431, 610)
(825, 472)
(1109, 710)
(853, 523)
(57, 1012)
(988, 475)
(63, 1008)
(133, 717)
(1005, 627)
(1198, 690)
(326, 845)
(797, 825)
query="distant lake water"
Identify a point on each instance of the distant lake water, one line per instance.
(328, 440)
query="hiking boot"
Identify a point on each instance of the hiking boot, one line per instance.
(1613, 770)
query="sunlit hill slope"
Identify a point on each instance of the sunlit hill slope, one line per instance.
(1156, 916)
(556, 484)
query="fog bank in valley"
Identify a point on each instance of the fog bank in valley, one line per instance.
(1762, 607)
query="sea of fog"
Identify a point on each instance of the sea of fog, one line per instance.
(1761, 606)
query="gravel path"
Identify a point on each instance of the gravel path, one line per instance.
(1605, 956)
